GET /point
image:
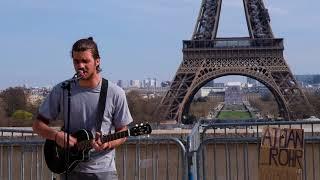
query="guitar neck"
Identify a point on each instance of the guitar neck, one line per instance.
(115, 136)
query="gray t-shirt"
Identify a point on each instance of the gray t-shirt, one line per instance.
(84, 104)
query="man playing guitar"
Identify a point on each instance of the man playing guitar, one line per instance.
(83, 113)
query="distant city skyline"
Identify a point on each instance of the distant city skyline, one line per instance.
(154, 82)
(137, 39)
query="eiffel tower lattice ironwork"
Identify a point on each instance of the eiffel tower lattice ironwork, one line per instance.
(206, 57)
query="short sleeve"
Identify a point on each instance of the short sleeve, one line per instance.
(122, 115)
(51, 106)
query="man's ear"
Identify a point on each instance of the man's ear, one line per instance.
(98, 62)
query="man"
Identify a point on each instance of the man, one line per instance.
(84, 102)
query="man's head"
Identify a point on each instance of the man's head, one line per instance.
(86, 57)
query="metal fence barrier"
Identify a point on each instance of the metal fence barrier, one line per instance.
(232, 150)
(152, 158)
(217, 151)
(140, 158)
(193, 142)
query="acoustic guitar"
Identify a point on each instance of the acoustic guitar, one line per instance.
(55, 156)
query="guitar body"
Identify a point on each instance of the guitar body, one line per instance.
(56, 156)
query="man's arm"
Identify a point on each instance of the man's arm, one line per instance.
(41, 128)
(118, 142)
(44, 130)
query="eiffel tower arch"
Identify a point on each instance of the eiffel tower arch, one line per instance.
(206, 57)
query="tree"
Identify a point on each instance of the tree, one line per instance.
(142, 109)
(3, 117)
(267, 97)
(34, 107)
(14, 98)
(134, 103)
(314, 99)
(22, 115)
(267, 106)
(202, 107)
(2, 111)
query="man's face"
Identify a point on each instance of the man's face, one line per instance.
(84, 63)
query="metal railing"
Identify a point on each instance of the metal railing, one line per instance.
(152, 158)
(193, 142)
(233, 43)
(218, 151)
(232, 150)
(140, 158)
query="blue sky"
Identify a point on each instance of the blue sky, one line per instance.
(137, 38)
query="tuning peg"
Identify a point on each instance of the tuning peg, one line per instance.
(137, 125)
(141, 124)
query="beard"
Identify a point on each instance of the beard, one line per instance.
(87, 75)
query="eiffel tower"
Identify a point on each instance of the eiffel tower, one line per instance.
(258, 56)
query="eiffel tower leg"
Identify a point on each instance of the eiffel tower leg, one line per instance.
(258, 19)
(172, 102)
(297, 103)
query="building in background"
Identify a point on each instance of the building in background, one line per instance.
(233, 95)
(150, 82)
(211, 90)
(165, 84)
(135, 83)
(252, 82)
(120, 83)
(308, 80)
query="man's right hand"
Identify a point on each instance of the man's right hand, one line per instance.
(61, 139)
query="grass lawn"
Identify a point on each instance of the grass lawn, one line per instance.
(234, 115)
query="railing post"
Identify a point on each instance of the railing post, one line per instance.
(193, 143)
(189, 160)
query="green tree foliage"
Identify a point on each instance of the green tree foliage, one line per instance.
(22, 115)
(14, 98)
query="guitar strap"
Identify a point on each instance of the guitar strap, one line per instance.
(101, 104)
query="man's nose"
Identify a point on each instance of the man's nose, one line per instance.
(80, 65)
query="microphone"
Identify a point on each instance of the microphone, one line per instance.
(78, 75)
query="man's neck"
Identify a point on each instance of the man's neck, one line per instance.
(92, 82)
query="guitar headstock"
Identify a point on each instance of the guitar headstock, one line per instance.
(140, 129)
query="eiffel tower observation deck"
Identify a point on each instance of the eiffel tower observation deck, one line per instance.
(258, 56)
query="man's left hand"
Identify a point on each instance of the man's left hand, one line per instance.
(98, 145)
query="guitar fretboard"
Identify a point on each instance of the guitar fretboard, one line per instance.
(117, 135)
